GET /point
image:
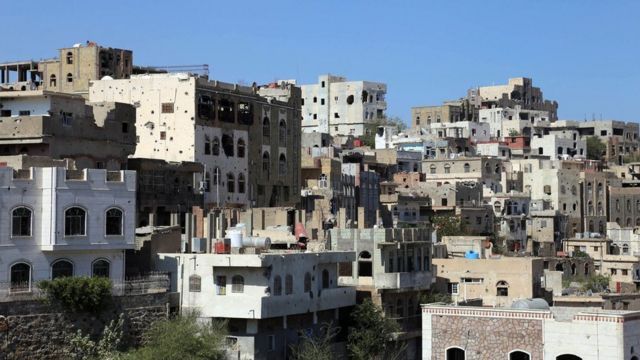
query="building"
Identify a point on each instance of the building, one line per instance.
(64, 223)
(56, 125)
(517, 92)
(269, 299)
(485, 170)
(340, 107)
(497, 281)
(425, 116)
(528, 330)
(620, 138)
(249, 144)
(624, 205)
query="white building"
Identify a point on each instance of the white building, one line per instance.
(340, 107)
(267, 298)
(61, 222)
(477, 131)
(559, 146)
(505, 122)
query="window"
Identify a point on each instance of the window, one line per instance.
(266, 129)
(455, 354)
(100, 268)
(245, 113)
(231, 183)
(167, 108)
(502, 288)
(282, 165)
(519, 355)
(67, 118)
(75, 222)
(227, 145)
(241, 184)
(625, 249)
(432, 169)
(282, 133)
(163, 135)
(20, 277)
(569, 356)
(21, 222)
(447, 169)
(265, 165)
(52, 81)
(69, 78)
(453, 288)
(69, 58)
(215, 146)
(221, 285)
(271, 340)
(206, 107)
(114, 222)
(307, 282)
(237, 284)
(195, 283)
(277, 285)
(61, 268)
(325, 279)
(125, 128)
(467, 168)
(241, 148)
(207, 145)
(288, 285)
(226, 109)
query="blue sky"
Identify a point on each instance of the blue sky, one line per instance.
(584, 54)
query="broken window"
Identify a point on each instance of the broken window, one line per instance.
(245, 113)
(365, 96)
(350, 99)
(215, 146)
(52, 81)
(241, 148)
(69, 78)
(227, 144)
(67, 118)
(167, 108)
(225, 110)
(282, 133)
(206, 107)
(231, 183)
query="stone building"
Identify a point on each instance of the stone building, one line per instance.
(248, 143)
(58, 126)
(595, 194)
(528, 330)
(340, 107)
(424, 116)
(64, 223)
(517, 92)
(624, 205)
(485, 170)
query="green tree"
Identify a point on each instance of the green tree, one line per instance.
(318, 347)
(90, 294)
(183, 338)
(431, 296)
(372, 335)
(82, 347)
(595, 148)
(449, 226)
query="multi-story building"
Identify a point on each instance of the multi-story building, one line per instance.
(268, 298)
(393, 268)
(504, 122)
(624, 205)
(517, 92)
(340, 107)
(64, 223)
(249, 144)
(425, 116)
(485, 170)
(621, 138)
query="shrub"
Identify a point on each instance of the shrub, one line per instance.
(84, 294)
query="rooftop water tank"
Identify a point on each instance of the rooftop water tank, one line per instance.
(470, 254)
(530, 304)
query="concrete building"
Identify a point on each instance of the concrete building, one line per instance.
(498, 282)
(504, 122)
(248, 143)
(512, 214)
(64, 223)
(51, 124)
(621, 138)
(528, 330)
(268, 298)
(485, 170)
(340, 107)
(517, 92)
(393, 268)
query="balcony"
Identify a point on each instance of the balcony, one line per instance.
(403, 280)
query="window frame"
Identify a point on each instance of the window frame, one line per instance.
(84, 223)
(106, 222)
(97, 260)
(13, 234)
(60, 260)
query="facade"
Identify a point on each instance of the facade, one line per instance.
(485, 170)
(340, 107)
(248, 143)
(425, 116)
(621, 138)
(539, 332)
(517, 92)
(268, 299)
(64, 223)
(624, 205)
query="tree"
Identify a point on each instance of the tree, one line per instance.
(595, 148)
(372, 335)
(183, 338)
(316, 347)
(434, 297)
(449, 226)
(81, 347)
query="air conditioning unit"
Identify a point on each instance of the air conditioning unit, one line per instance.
(198, 245)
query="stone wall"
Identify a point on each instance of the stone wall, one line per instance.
(485, 337)
(35, 330)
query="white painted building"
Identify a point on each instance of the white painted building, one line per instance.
(505, 122)
(267, 298)
(61, 222)
(340, 107)
(494, 149)
(477, 131)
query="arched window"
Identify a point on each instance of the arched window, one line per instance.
(502, 288)
(265, 164)
(282, 133)
(563, 189)
(447, 168)
(364, 264)
(628, 205)
(568, 357)
(455, 354)
(241, 148)
(75, 222)
(61, 268)
(241, 184)
(69, 78)
(69, 58)
(599, 189)
(590, 208)
(498, 169)
(282, 165)
(237, 284)
(288, 284)
(590, 225)
(629, 223)
(277, 285)
(625, 249)
(53, 81)
(195, 283)
(432, 169)
(231, 183)
(601, 227)
(589, 188)
(600, 210)
(467, 167)
(497, 206)
(266, 129)
(519, 355)
(114, 222)
(325, 279)
(307, 282)
(215, 146)
(100, 268)
(20, 277)
(21, 222)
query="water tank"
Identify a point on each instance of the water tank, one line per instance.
(235, 236)
(257, 242)
(530, 304)
(470, 254)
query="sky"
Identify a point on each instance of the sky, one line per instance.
(584, 54)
